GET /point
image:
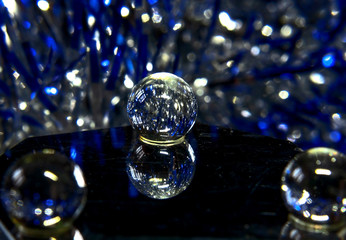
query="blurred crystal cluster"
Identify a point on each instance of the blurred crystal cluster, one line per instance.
(269, 67)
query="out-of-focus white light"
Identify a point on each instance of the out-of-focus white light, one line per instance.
(124, 11)
(145, 17)
(227, 22)
(23, 105)
(115, 51)
(149, 66)
(317, 78)
(245, 113)
(200, 82)
(71, 76)
(91, 21)
(115, 100)
(284, 94)
(218, 39)
(128, 82)
(286, 31)
(80, 122)
(43, 5)
(11, 6)
(336, 117)
(7, 37)
(156, 18)
(177, 26)
(267, 30)
(255, 50)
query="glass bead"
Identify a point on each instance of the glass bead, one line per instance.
(161, 172)
(314, 188)
(162, 108)
(43, 192)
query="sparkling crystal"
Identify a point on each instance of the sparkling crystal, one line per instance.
(162, 108)
(43, 192)
(314, 189)
(161, 172)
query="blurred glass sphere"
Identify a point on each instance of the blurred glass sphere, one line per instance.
(161, 172)
(162, 108)
(43, 192)
(314, 187)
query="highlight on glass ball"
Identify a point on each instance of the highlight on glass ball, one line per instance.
(314, 188)
(161, 172)
(163, 108)
(43, 192)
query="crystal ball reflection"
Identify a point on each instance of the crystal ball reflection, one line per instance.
(161, 172)
(43, 191)
(314, 187)
(162, 108)
(69, 234)
(290, 231)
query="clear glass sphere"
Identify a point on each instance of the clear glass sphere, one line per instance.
(161, 172)
(314, 187)
(162, 108)
(43, 191)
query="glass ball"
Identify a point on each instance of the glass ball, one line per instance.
(161, 172)
(43, 192)
(314, 187)
(162, 108)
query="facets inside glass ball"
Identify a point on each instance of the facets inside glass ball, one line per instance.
(161, 172)
(43, 191)
(162, 107)
(314, 187)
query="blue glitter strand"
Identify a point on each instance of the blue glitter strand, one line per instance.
(216, 9)
(94, 62)
(6, 114)
(284, 61)
(116, 23)
(48, 65)
(152, 2)
(30, 56)
(118, 59)
(31, 121)
(4, 88)
(76, 23)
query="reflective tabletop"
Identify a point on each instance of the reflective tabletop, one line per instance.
(219, 183)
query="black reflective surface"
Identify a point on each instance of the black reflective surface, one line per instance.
(234, 193)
